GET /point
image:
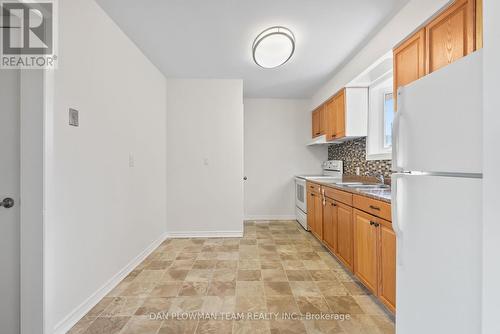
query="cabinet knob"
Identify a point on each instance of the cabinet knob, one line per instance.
(374, 207)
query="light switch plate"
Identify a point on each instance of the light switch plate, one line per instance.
(73, 117)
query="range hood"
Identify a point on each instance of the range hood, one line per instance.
(321, 140)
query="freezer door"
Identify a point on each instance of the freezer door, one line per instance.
(438, 126)
(438, 225)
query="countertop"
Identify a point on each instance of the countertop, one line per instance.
(381, 195)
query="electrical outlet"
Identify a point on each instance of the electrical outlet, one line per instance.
(131, 160)
(73, 117)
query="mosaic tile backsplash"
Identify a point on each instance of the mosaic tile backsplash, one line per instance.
(353, 153)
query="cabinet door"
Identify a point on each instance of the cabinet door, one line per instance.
(318, 216)
(340, 115)
(365, 249)
(322, 119)
(345, 235)
(316, 131)
(310, 210)
(387, 272)
(409, 61)
(330, 119)
(330, 225)
(451, 35)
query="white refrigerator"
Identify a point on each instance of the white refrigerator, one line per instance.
(436, 200)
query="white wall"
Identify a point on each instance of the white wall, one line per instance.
(491, 182)
(100, 213)
(276, 134)
(204, 157)
(414, 14)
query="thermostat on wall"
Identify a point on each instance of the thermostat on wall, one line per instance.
(73, 117)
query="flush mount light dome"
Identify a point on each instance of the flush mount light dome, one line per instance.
(273, 47)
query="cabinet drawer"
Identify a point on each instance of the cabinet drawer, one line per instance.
(373, 206)
(339, 195)
(313, 187)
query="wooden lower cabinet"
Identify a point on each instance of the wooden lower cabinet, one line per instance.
(365, 250)
(387, 268)
(315, 213)
(365, 243)
(375, 256)
(311, 210)
(330, 225)
(345, 235)
(318, 217)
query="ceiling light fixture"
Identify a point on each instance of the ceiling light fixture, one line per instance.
(273, 47)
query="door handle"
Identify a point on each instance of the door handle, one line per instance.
(7, 203)
(244, 178)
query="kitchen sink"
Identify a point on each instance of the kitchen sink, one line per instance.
(369, 186)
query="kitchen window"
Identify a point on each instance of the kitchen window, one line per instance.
(388, 119)
(380, 118)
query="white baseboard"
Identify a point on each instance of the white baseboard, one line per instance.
(270, 217)
(72, 318)
(205, 234)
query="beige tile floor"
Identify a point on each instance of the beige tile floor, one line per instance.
(276, 268)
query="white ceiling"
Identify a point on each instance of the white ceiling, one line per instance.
(213, 38)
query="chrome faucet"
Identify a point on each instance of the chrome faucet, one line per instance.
(380, 178)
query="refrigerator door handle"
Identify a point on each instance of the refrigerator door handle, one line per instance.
(395, 218)
(395, 133)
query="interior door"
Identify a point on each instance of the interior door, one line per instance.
(9, 199)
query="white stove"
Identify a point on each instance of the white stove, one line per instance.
(332, 171)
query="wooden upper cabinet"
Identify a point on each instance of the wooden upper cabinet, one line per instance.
(409, 61)
(451, 35)
(330, 118)
(335, 117)
(316, 123)
(387, 272)
(322, 119)
(343, 116)
(365, 250)
(340, 114)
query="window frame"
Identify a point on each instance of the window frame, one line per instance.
(375, 141)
